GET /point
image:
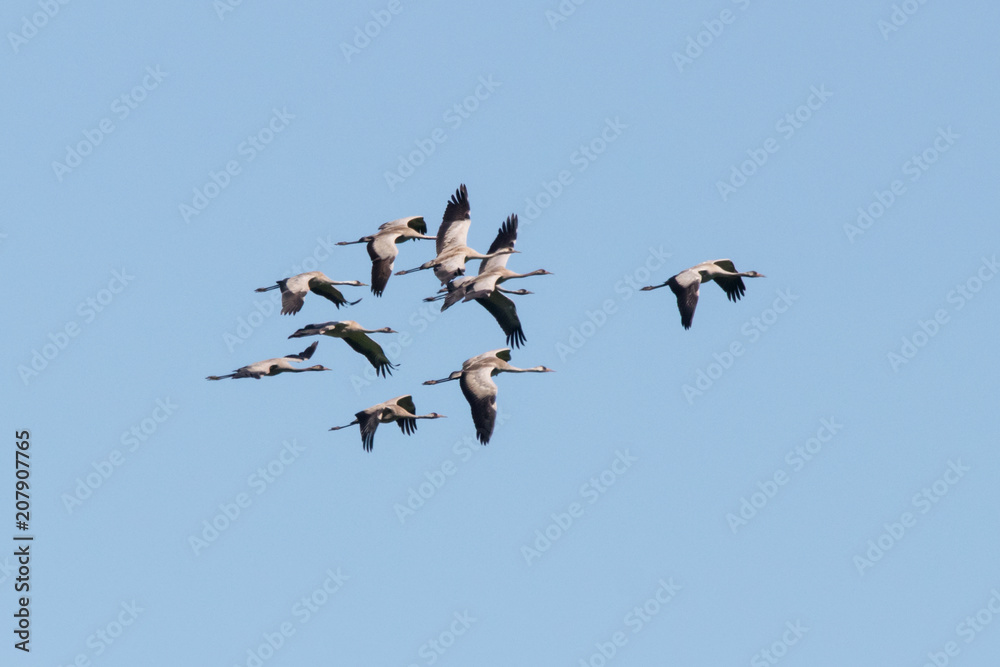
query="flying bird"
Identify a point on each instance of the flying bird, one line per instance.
(382, 246)
(476, 380)
(452, 236)
(485, 287)
(356, 336)
(273, 366)
(686, 283)
(400, 410)
(294, 289)
(492, 271)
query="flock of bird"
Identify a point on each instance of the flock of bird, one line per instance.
(452, 252)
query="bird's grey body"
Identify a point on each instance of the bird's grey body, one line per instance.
(476, 381)
(357, 337)
(685, 285)
(382, 246)
(295, 288)
(400, 410)
(270, 367)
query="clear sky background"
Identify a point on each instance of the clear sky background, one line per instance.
(810, 472)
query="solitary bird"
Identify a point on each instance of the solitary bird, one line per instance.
(485, 287)
(685, 284)
(476, 380)
(400, 410)
(382, 246)
(273, 366)
(356, 336)
(294, 289)
(452, 236)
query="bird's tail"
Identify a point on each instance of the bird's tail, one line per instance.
(266, 289)
(220, 377)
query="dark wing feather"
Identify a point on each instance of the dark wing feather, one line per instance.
(363, 344)
(506, 235)
(368, 422)
(291, 302)
(456, 214)
(505, 313)
(418, 225)
(408, 425)
(381, 269)
(687, 298)
(328, 291)
(406, 402)
(306, 353)
(484, 408)
(733, 286)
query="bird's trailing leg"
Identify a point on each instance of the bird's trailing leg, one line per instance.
(454, 376)
(363, 239)
(337, 428)
(419, 268)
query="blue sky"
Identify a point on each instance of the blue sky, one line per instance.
(807, 476)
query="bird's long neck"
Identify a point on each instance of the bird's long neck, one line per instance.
(514, 369)
(454, 376)
(536, 272)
